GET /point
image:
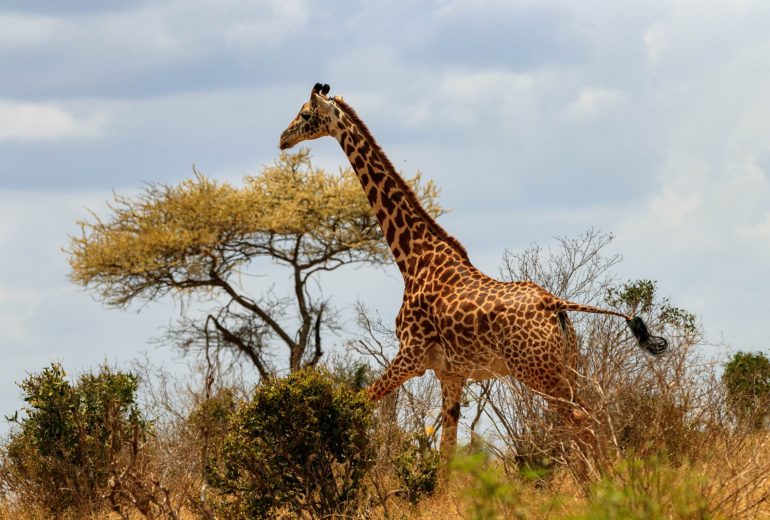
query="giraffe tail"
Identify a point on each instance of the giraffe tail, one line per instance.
(655, 345)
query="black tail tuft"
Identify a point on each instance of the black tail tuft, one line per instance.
(653, 344)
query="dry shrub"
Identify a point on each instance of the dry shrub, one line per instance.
(135, 484)
(636, 402)
(736, 469)
(191, 414)
(641, 407)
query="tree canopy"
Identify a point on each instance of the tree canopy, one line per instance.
(198, 235)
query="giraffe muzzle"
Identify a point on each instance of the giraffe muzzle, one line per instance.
(285, 141)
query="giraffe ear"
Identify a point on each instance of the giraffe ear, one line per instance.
(325, 89)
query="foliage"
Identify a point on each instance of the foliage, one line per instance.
(62, 454)
(212, 415)
(489, 494)
(747, 378)
(197, 237)
(302, 444)
(354, 373)
(417, 467)
(647, 490)
(209, 421)
(641, 297)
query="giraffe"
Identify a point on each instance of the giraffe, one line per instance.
(454, 319)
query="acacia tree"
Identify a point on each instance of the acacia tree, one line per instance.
(195, 238)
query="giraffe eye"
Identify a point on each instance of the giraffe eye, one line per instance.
(305, 115)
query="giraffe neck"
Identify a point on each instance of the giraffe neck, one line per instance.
(408, 229)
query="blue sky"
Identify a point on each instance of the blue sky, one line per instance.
(650, 120)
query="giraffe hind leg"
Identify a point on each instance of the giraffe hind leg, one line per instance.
(451, 393)
(579, 441)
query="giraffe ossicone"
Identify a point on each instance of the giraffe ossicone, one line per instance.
(454, 319)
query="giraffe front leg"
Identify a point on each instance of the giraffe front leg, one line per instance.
(451, 392)
(399, 370)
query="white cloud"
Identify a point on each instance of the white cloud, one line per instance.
(672, 207)
(278, 19)
(469, 7)
(594, 102)
(137, 47)
(476, 86)
(759, 231)
(19, 31)
(42, 121)
(706, 97)
(655, 41)
(465, 95)
(174, 27)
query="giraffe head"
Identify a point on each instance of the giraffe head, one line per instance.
(316, 119)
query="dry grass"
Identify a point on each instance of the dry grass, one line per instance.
(14, 511)
(732, 475)
(734, 485)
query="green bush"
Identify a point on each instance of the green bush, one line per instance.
(301, 445)
(489, 494)
(209, 420)
(208, 424)
(62, 452)
(417, 466)
(641, 297)
(747, 378)
(647, 490)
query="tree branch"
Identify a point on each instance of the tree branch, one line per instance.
(250, 352)
(318, 352)
(304, 314)
(253, 307)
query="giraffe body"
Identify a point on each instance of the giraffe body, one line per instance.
(454, 319)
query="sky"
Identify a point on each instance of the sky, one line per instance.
(649, 120)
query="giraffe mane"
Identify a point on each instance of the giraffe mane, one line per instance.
(401, 184)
